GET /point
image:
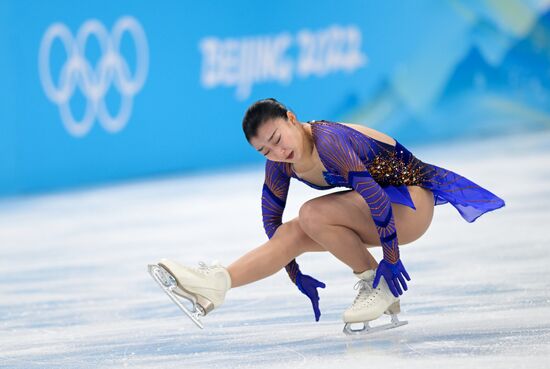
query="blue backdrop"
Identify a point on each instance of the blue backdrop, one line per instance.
(108, 90)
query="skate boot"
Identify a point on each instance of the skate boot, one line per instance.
(370, 304)
(204, 287)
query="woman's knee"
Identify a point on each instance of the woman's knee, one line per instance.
(293, 239)
(312, 215)
(288, 229)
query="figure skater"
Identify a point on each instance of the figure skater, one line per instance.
(389, 202)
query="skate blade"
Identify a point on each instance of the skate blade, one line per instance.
(168, 284)
(367, 329)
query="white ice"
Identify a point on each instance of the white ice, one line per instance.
(75, 293)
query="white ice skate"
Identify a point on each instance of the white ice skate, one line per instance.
(204, 287)
(370, 304)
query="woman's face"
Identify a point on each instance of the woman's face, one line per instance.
(279, 139)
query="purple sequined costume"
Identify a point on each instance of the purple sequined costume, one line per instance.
(380, 173)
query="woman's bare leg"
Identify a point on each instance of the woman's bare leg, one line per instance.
(342, 224)
(321, 219)
(339, 223)
(288, 242)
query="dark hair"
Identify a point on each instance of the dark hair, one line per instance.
(260, 112)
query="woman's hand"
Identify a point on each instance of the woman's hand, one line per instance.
(308, 285)
(393, 273)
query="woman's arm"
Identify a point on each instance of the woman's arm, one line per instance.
(337, 153)
(381, 211)
(274, 194)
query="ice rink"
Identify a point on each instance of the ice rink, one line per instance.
(75, 293)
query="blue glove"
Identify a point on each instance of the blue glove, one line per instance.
(393, 273)
(308, 285)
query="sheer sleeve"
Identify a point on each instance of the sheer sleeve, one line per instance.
(338, 155)
(274, 194)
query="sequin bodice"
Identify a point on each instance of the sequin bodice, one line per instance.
(397, 167)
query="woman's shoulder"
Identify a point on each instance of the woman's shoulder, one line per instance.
(363, 129)
(372, 133)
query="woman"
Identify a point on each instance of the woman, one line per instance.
(390, 203)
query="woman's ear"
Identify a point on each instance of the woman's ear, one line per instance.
(291, 117)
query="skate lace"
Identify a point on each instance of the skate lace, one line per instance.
(364, 288)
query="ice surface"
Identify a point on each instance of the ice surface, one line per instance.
(75, 292)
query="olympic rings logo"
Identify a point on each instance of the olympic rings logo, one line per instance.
(94, 83)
